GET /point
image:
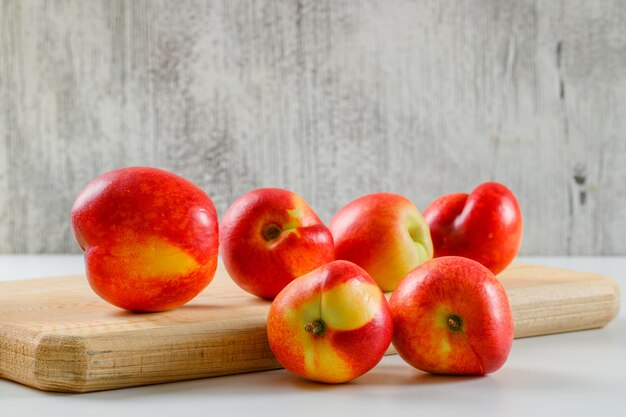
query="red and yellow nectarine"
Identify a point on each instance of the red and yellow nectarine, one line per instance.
(150, 238)
(452, 316)
(384, 234)
(271, 236)
(330, 325)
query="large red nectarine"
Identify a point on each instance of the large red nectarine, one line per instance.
(452, 316)
(271, 236)
(485, 226)
(150, 238)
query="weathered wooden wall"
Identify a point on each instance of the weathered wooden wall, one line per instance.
(331, 99)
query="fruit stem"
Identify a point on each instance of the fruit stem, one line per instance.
(316, 328)
(455, 323)
(271, 232)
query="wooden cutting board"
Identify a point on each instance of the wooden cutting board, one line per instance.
(57, 335)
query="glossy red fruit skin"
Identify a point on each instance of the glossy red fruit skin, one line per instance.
(128, 214)
(264, 268)
(452, 286)
(485, 225)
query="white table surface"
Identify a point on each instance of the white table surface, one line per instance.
(573, 374)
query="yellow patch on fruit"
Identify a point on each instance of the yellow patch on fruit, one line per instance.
(365, 302)
(303, 314)
(300, 214)
(289, 227)
(441, 321)
(419, 234)
(322, 362)
(294, 221)
(441, 317)
(292, 225)
(445, 346)
(320, 359)
(409, 246)
(156, 257)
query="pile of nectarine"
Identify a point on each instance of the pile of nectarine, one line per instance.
(150, 240)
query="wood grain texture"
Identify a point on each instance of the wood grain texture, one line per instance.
(57, 335)
(332, 99)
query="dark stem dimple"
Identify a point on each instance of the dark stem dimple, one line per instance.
(317, 327)
(455, 323)
(271, 232)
